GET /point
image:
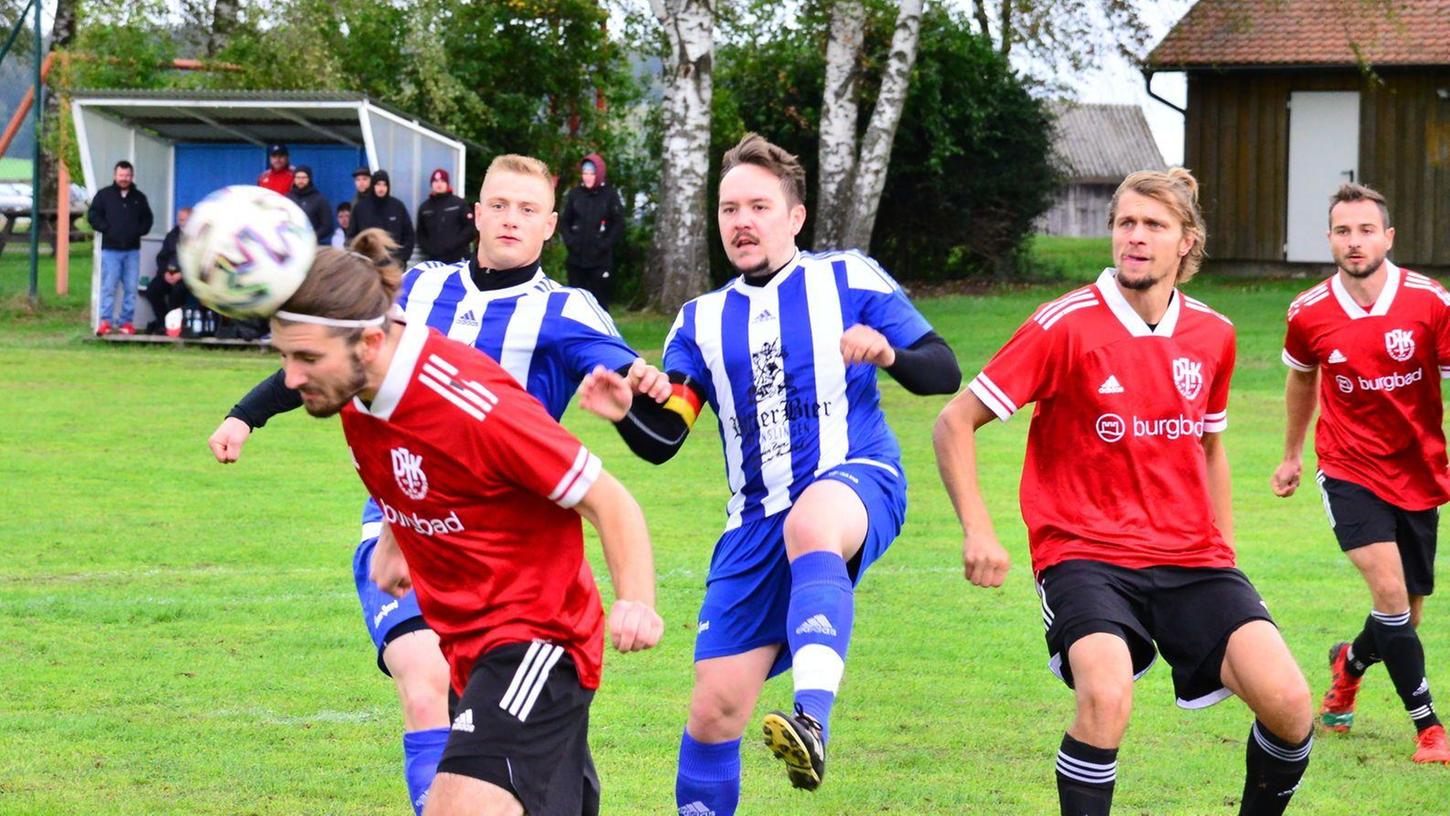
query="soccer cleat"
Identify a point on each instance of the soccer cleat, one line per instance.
(1336, 713)
(797, 740)
(127, 328)
(103, 329)
(1432, 746)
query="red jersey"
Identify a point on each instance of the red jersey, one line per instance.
(278, 181)
(1115, 468)
(476, 481)
(1379, 389)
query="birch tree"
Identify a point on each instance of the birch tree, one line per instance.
(680, 255)
(838, 119)
(223, 23)
(859, 212)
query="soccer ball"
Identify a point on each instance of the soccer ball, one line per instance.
(245, 250)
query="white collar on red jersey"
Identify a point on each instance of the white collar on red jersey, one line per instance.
(1381, 304)
(400, 373)
(1113, 296)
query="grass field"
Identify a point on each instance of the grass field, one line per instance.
(178, 637)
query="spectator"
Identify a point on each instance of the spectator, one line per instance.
(278, 176)
(379, 209)
(121, 214)
(344, 218)
(591, 221)
(166, 292)
(313, 203)
(362, 182)
(166, 257)
(445, 223)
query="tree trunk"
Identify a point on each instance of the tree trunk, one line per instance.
(681, 233)
(223, 23)
(870, 178)
(838, 121)
(61, 35)
(1006, 20)
(979, 9)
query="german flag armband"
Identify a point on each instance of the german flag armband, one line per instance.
(685, 399)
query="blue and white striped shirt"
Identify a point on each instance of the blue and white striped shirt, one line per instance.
(769, 359)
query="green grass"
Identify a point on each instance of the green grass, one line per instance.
(14, 169)
(1067, 258)
(178, 637)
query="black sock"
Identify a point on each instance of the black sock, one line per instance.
(1085, 777)
(1273, 770)
(1363, 653)
(1404, 658)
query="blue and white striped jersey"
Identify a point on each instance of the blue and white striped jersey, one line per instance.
(546, 335)
(769, 360)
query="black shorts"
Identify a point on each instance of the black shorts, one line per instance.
(1361, 518)
(1186, 613)
(523, 724)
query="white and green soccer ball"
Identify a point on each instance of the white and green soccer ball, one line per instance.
(245, 251)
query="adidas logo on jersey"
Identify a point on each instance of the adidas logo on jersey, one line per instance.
(464, 721)
(765, 314)
(816, 624)
(696, 808)
(468, 319)
(1110, 386)
(1337, 356)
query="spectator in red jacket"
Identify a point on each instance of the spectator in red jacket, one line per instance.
(278, 176)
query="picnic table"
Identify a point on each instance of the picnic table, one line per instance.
(47, 226)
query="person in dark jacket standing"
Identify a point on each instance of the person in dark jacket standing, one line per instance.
(121, 214)
(313, 203)
(591, 222)
(379, 209)
(278, 175)
(445, 223)
(362, 181)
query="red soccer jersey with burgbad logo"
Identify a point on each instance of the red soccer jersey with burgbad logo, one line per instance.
(476, 481)
(1379, 392)
(1115, 468)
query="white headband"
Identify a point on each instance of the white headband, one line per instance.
(330, 321)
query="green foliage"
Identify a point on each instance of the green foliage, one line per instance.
(969, 169)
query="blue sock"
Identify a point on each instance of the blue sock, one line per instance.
(421, 752)
(708, 782)
(822, 604)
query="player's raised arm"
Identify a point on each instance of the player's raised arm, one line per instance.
(608, 506)
(984, 560)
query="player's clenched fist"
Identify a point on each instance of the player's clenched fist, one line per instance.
(1286, 478)
(984, 561)
(227, 440)
(863, 344)
(634, 626)
(646, 379)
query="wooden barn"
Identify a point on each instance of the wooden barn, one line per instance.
(1287, 99)
(1095, 147)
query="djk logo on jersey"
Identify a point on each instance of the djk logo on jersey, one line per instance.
(1400, 343)
(408, 470)
(1188, 377)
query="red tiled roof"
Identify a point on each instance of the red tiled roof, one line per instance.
(1308, 32)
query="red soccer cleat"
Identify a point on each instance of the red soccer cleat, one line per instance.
(103, 329)
(1432, 746)
(1336, 713)
(127, 328)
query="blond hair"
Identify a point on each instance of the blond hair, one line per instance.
(523, 166)
(1176, 189)
(359, 283)
(757, 150)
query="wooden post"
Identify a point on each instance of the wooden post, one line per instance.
(62, 223)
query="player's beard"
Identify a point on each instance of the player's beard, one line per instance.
(340, 396)
(757, 271)
(1142, 284)
(1369, 268)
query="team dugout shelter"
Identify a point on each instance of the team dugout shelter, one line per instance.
(186, 144)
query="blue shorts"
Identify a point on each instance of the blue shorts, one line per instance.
(747, 592)
(387, 618)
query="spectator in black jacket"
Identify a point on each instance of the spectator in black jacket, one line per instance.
(379, 209)
(313, 203)
(167, 290)
(121, 214)
(445, 223)
(591, 222)
(166, 256)
(362, 182)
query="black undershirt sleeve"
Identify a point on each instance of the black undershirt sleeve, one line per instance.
(653, 432)
(269, 398)
(927, 366)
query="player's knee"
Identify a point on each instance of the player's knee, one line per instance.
(716, 717)
(424, 694)
(805, 532)
(1288, 710)
(1108, 703)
